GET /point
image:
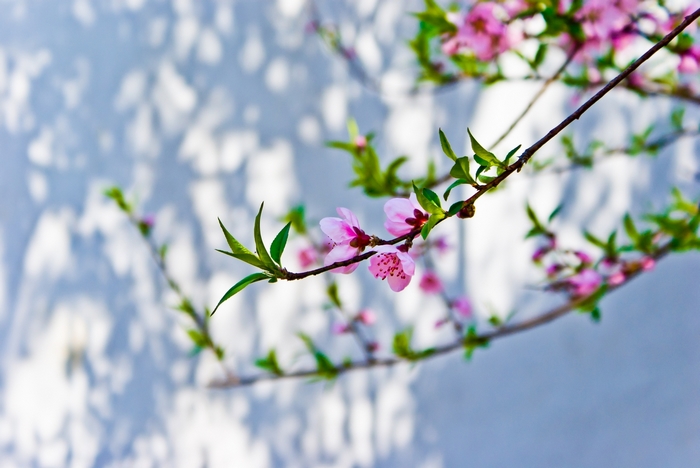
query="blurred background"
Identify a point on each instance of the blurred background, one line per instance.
(203, 110)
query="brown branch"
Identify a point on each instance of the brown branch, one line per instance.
(500, 332)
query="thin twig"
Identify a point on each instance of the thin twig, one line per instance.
(500, 332)
(539, 94)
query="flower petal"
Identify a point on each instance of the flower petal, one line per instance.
(337, 229)
(340, 253)
(399, 282)
(349, 216)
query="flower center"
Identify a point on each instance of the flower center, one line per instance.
(418, 220)
(361, 239)
(389, 265)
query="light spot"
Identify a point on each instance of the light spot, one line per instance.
(368, 51)
(38, 186)
(40, 150)
(277, 75)
(290, 8)
(49, 250)
(271, 178)
(83, 12)
(209, 50)
(252, 53)
(309, 130)
(156, 31)
(131, 91)
(334, 107)
(251, 114)
(235, 146)
(199, 145)
(185, 35)
(224, 19)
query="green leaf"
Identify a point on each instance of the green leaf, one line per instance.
(677, 118)
(460, 170)
(486, 179)
(402, 347)
(259, 245)
(472, 340)
(236, 247)
(250, 259)
(342, 145)
(446, 148)
(453, 185)
(269, 363)
(630, 228)
(554, 213)
(297, 218)
(482, 153)
(533, 218)
(238, 287)
(353, 129)
(455, 208)
(426, 201)
(510, 154)
(432, 221)
(279, 243)
(332, 293)
(324, 366)
(594, 240)
(198, 338)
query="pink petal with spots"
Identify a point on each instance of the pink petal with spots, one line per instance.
(398, 283)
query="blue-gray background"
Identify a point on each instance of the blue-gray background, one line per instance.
(203, 110)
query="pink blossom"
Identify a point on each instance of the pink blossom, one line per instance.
(583, 257)
(462, 306)
(348, 239)
(149, 220)
(430, 283)
(366, 317)
(539, 254)
(585, 282)
(689, 60)
(339, 328)
(553, 269)
(616, 278)
(373, 346)
(648, 263)
(636, 80)
(404, 215)
(307, 257)
(393, 265)
(483, 33)
(441, 245)
(441, 322)
(451, 46)
(360, 142)
(600, 19)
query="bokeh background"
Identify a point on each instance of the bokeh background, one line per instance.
(203, 110)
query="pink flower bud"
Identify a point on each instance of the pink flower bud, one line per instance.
(648, 263)
(441, 322)
(583, 257)
(366, 317)
(373, 346)
(340, 328)
(616, 279)
(307, 257)
(360, 142)
(462, 306)
(553, 269)
(539, 254)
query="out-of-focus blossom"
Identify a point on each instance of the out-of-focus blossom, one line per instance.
(462, 306)
(404, 215)
(430, 283)
(339, 328)
(648, 263)
(393, 265)
(307, 257)
(616, 278)
(366, 317)
(689, 60)
(583, 257)
(360, 142)
(585, 282)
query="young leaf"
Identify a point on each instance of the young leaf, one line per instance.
(555, 212)
(426, 200)
(279, 243)
(454, 184)
(677, 118)
(455, 208)
(236, 288)
(259, 245)
(236, 247)
(197, 338)
(460, 170)
(250, 259)
(446, 148)
(630, 228)
(432, 221)
(594, 240)
(269, 363)
(482, 153)
(510, 154)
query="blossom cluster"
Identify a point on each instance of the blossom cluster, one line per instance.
(591, 30)
(390, 263)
